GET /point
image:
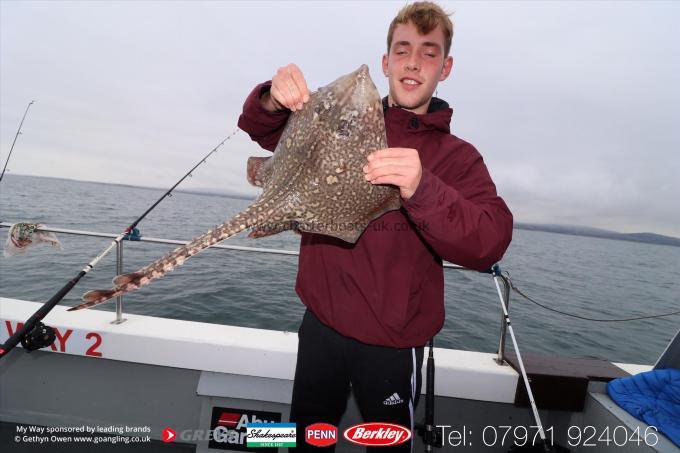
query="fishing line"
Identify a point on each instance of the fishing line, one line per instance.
(636, 318)
(15, 140)
(34, 334)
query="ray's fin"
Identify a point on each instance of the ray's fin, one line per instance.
(257, 173)
(124, 279)
(95, 297)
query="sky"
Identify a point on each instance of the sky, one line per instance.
(575, 106)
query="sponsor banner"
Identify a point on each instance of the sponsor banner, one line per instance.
(271, 435)
(377, 434)
(321, 434)
(228, 427)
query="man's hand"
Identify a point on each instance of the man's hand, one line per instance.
(398, 166)
(289, 90)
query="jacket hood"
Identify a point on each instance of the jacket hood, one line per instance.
(438, 116)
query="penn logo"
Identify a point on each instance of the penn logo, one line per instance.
(377, 434)
(321, 434)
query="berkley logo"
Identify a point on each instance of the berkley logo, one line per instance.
(321, 434)
(377, 434)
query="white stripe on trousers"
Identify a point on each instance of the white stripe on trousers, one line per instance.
(413, 395)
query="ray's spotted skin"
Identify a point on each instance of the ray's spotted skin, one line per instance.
(314, 182)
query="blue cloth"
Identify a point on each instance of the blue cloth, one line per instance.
(653, 397)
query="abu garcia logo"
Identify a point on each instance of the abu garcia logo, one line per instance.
(229, 427)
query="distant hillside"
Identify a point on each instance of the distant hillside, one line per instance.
(217, 193)
(649, 238)
(197, 191)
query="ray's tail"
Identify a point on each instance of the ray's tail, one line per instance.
(126, 283)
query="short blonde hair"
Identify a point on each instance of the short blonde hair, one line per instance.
(426, 16)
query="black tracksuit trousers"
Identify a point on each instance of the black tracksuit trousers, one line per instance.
(385, 381)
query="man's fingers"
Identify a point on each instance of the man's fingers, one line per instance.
(279, 96)
(280, 88)
(384, 161)
(389, 170)
(293, 93)
(298, 85)
(291, 88)
(395, 180)
(300, 82)
(392, 152)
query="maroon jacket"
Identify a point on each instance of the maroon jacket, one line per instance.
(388, 288)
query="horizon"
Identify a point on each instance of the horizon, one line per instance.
(223, 193)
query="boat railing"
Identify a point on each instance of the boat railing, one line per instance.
(120, 262)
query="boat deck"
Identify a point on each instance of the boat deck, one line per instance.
(156, 373)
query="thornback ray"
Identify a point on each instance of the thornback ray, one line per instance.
(314, 181)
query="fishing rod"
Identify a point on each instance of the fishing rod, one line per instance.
(15, 140)
(547, 447)
(428, 429)
(34, 334)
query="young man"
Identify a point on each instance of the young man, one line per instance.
(372, 307)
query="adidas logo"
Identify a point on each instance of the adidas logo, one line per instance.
(393, 399)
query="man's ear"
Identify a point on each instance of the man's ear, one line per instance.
(384, 64)
(446, 69)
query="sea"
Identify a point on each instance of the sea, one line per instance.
(585, 276)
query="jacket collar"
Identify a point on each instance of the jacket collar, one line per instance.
(438, 116)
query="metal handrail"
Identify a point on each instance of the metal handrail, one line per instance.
(178, 242)
(119, 265)
(157, 240)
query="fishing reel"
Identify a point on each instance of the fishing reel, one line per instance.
(40, 337)
(431, 437)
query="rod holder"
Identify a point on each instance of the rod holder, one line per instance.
(500, 359)
(119, 270)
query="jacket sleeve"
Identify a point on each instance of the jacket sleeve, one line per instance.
(263, 127)
(460, 215)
